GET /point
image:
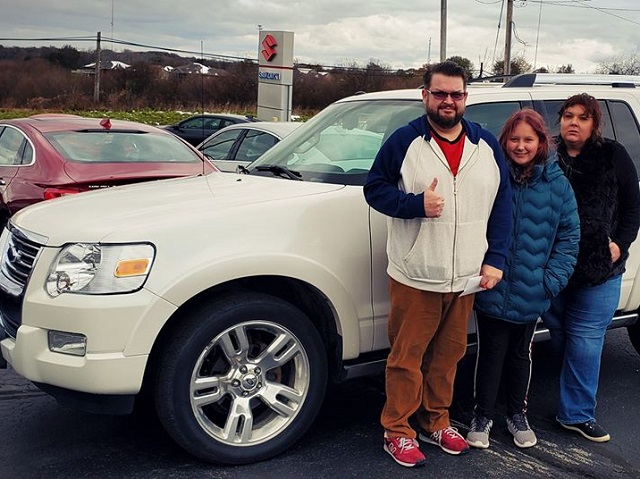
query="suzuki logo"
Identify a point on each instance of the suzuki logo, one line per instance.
(268, 45)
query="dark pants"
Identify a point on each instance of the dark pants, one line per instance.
(504, 354)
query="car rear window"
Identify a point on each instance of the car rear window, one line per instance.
(121, 147)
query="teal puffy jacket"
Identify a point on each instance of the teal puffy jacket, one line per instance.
(544, 247)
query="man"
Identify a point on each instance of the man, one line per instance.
(443, 183)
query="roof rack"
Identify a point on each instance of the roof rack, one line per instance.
(531, 79)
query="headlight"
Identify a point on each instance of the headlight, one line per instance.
(100, 269)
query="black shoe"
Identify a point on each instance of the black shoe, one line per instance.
(590, 429)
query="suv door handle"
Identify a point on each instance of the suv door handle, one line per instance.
(2, 182)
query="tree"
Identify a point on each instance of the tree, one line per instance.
(67, 57)
(464, 63)
(621, 65)
(566, 69)
(518, 65)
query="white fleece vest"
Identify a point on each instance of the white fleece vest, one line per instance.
(441, 254)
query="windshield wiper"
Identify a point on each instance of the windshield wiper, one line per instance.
(282, 171)
(243, 169)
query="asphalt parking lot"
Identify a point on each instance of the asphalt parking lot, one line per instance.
(42, 440)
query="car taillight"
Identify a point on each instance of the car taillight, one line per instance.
(51, 193)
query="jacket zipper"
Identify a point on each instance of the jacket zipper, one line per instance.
(455, 230)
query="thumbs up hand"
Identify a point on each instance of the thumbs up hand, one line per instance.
(433, 202)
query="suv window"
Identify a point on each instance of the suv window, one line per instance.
(492, 116)
(552, 107)
(618, 122)
(625, 126)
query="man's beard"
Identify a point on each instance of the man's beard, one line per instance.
(444, 122)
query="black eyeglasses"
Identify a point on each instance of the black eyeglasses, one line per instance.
(442, 95)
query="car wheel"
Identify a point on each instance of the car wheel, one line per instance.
(634, 335)
(241, 380)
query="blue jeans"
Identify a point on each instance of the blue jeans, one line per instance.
(577, 321)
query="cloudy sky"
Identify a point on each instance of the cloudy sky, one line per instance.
(393, 33)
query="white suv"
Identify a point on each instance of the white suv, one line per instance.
(230, 300)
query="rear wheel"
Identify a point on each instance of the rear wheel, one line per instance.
(241, 380)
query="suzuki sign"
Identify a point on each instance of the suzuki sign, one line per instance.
(275, 76)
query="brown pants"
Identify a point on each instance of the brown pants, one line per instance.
(428, 336)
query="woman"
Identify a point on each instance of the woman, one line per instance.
(605, 183)
(544, 247)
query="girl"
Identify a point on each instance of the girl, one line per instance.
(543, 252)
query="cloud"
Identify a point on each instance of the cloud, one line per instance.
(332, 32)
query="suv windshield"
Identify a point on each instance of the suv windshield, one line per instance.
(340, 143)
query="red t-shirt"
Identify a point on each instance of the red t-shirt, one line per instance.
(452, 150)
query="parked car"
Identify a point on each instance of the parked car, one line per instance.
(242, 143)
(47, 156)
(235, 300)
(197, 128)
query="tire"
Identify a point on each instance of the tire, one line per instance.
(241, 380)
(634, 335)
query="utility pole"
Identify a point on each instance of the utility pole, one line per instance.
(96, 80)
(507, 42)
(443, 30)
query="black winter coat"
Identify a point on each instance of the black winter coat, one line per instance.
(605, 182)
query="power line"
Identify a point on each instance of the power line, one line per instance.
(535, 57)
(495, 45)
(581, 4)
(381, 70)
(57, 39)
(127, 43)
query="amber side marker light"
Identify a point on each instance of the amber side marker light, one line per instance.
(132, 267)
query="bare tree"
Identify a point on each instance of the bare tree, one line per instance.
(566, 69)
(621, 65)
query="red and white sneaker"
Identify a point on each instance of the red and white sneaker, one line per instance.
(449, 440)
(405, 451)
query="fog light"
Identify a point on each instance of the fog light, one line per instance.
(67, 343)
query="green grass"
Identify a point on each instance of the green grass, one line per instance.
(149, 117)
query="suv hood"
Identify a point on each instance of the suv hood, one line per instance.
(128, 213)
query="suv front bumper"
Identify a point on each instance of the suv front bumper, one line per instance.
(97, 373)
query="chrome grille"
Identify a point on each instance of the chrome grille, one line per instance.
(19, 258)
(19, 255)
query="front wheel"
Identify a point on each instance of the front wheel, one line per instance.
(241, 379)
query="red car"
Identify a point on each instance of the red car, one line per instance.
(46, 156)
